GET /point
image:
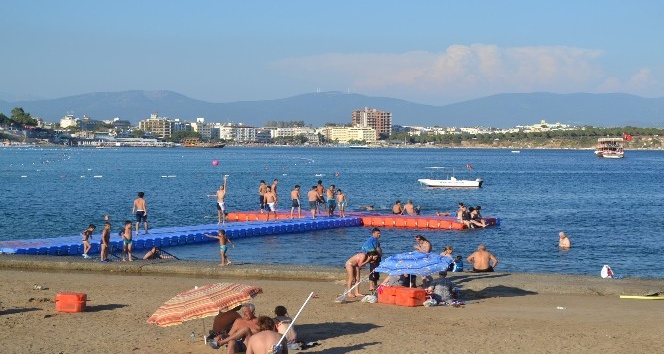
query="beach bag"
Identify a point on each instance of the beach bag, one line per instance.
(606, 272)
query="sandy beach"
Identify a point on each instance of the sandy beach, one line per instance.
(505, 313)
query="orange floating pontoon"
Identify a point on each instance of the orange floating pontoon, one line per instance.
(373, 220)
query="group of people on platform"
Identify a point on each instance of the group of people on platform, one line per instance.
(469, 216)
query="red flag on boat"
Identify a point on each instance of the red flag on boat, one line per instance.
(470, 167)
(627, 137)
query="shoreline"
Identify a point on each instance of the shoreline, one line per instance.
(540, 283)
(504, 313)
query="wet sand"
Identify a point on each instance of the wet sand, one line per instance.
(505, 313)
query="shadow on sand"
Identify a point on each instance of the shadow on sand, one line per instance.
(488, 292)
(352, 348)
(321, 331)
(19, 310)
(108, 307)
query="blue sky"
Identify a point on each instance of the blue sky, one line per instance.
(434, 52)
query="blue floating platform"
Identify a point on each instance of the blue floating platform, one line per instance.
(176, 236)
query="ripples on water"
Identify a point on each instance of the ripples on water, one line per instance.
(610, 208)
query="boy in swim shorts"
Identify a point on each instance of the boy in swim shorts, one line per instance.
(127, 241)
(223, 247)
(341, 202)
(295, 201)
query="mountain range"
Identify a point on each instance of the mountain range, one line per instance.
(316, 109)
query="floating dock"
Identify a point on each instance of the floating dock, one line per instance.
(238, 225)
(176, 236)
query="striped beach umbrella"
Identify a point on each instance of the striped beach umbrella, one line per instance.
(202, 302)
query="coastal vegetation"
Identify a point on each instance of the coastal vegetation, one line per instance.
(13, 128)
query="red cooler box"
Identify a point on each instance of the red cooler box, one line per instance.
(70, 302)
(410, 296)
(387, 294)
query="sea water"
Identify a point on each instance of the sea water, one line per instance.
(611, 209)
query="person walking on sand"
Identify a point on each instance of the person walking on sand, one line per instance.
(262, 189)
(105, 241)
(87, 234)
(221, 205)
(341, 202)
(312, 196)
(353, 266)
(271, 203)
(141, 211)
(564, 241)
(295, 201)
(223, 247)
(127, 241)
(481, 259)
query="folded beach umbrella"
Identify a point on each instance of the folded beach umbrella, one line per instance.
(202, 302)
(417, 263)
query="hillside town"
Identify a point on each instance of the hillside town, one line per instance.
(368, 126)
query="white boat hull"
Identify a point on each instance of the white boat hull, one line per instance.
(451, 183)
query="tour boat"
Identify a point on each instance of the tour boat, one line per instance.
(610, 148)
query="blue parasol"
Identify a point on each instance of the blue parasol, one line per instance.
(417, 263)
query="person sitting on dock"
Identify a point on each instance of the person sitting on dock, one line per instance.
(460, 211)
(475, 218)
(157, 253)
(397, 209)
(465, 216)
(409, 208)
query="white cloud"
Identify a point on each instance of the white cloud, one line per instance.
(464, 71)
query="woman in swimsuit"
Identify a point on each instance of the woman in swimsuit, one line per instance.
(353, 266)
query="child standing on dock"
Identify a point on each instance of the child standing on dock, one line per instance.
(341, 202)
(87, 233)
(127, 241)
(223, 247)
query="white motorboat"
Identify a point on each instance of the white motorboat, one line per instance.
(451, 181)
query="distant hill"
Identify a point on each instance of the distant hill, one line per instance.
(502, 110)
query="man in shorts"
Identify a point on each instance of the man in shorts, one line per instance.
(221, 205)
(312, 196)
(331, 200)
(105, 241)
(372, 244)
(295, 201)
(141, 212)
(270, 202)
(262, 189)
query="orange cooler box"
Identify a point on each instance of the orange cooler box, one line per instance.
(410, 296)
(387, 295)
(70, 302)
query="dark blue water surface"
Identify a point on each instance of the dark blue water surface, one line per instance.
(611, 209)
